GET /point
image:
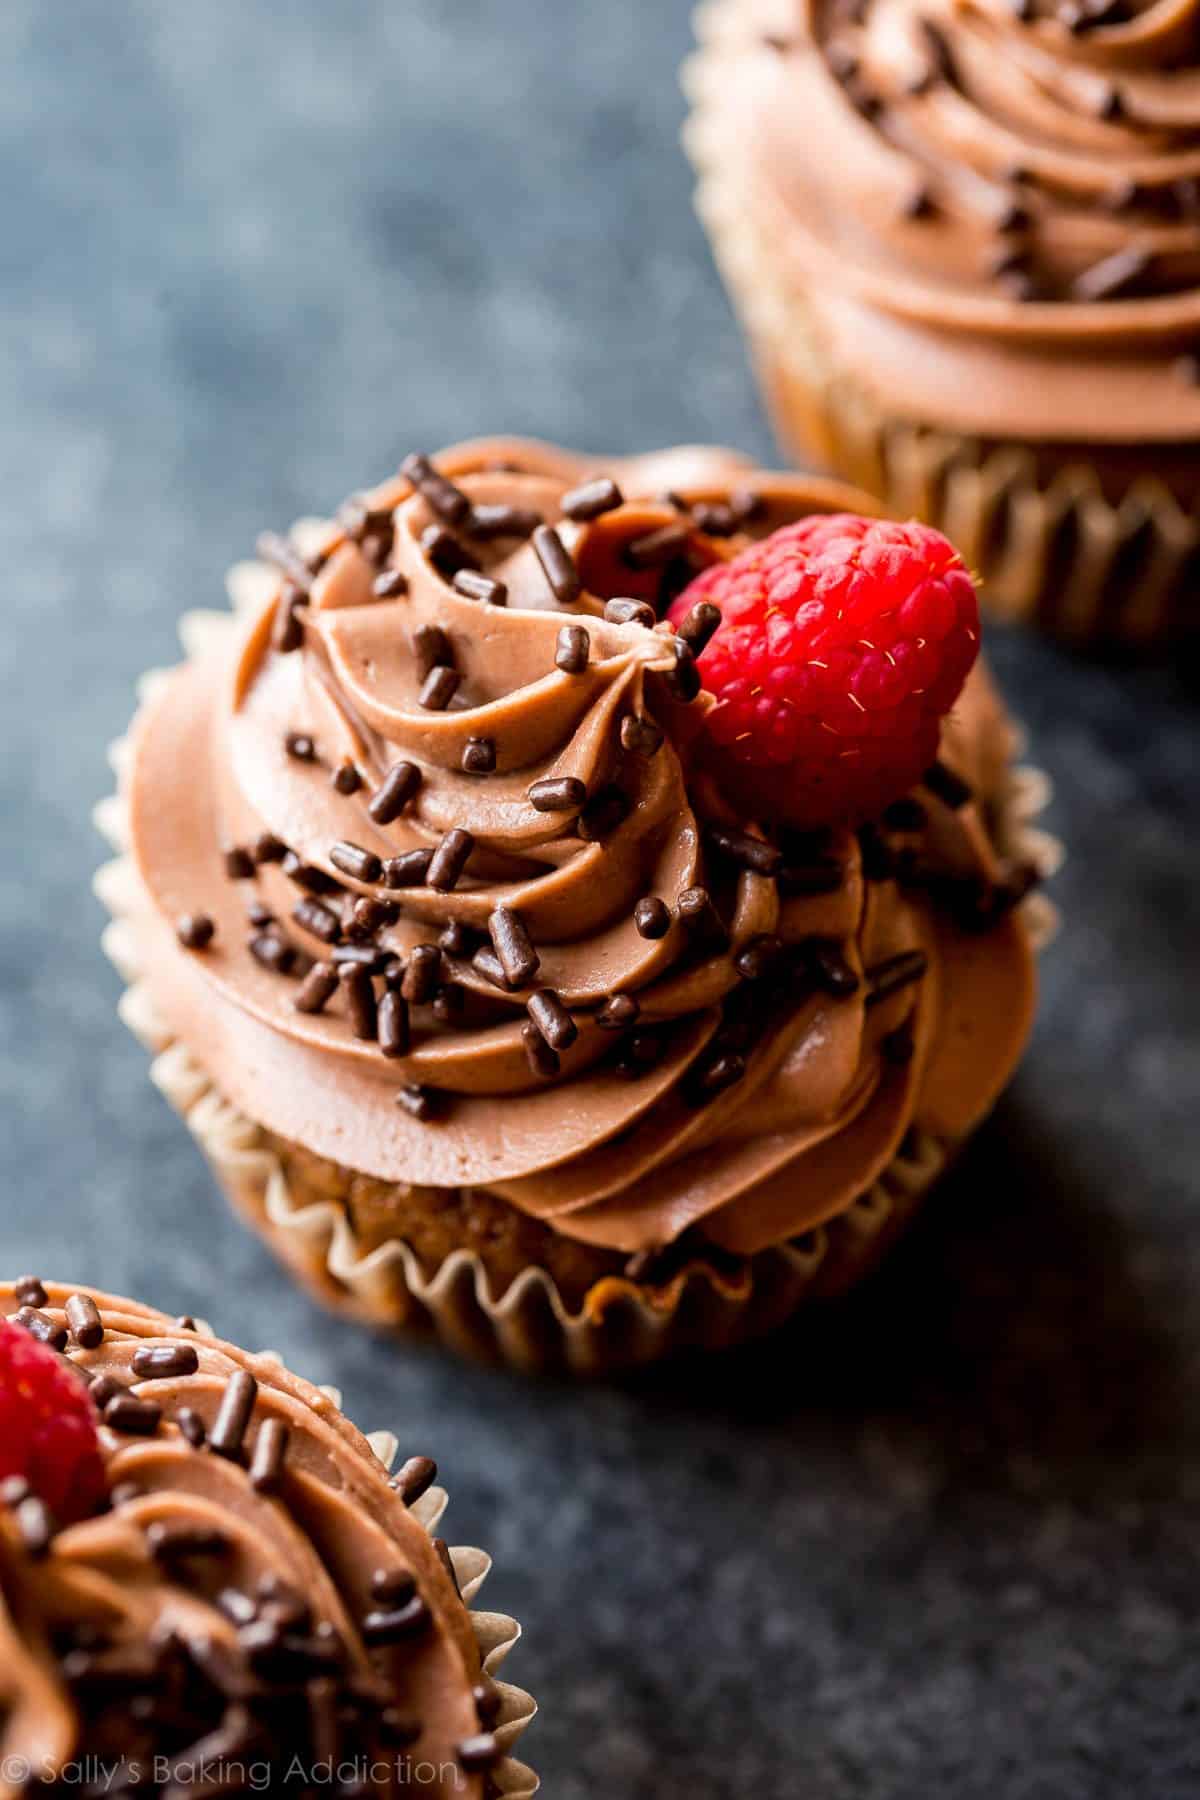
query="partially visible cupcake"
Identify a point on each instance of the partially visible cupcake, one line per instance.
(963, 237)
(518, 970)
(209, 1582)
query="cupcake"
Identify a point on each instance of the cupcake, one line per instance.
(519, 972)
(964, 241)
(209, 1583)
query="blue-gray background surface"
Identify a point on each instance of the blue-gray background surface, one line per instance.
(941, 1543)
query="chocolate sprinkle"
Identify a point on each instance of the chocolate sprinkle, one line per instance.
(746, 851)
(432, 649)
(353, 860)
(439, 688)
(485, 962)
(391, 585)
(573, 650)
(287, 627)
(474, 586)
(894, 972)
(409, 869)
(478, 1752)
(317, 919)
(449, 860)
(414, 1478)
(592, 498)
(29, 1291)
(720, 1074)
(164, 1362)
(714, 519)
(346, 778)
(541, 1058)
(653, 549)
(40, 1326)
(392, 1587)
(318, 986)
(283, 556)
(195, 931)
(698, 913)
(630, 612)
(233, 1414)
(698, 627)
(1114, 276)
(416, 1100)
(759, 958)
(479, 756)
(83, 1317)
(134, 1417)
(267, 1459)
(503, 521)
(513, 946)
(424, 972)
(618, 1013)
(440, 494)
(394, 792)
(273, 952)
(547, 1012)
(651, 918)
(300, 745)
(640, 735)
(829, 967)
(308, 876)
(191, 1426)
(457, 939)
(557, 565)
(445, 551)
(557, 793)
(360, 1001)
(267, 848)
(239, 864)
(394, 1625)
(684, 679)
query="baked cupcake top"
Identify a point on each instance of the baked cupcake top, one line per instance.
(993, 209)
(439, 881)
(202, 1561)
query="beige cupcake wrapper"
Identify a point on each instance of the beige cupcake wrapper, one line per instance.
(530, 1325)
(1053, 549)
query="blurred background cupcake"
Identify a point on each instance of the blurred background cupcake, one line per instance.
(440, 908)
(211, 1583)
(964, 241)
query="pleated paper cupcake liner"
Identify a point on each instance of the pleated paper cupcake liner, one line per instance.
(1088, 559)
(620, 1323)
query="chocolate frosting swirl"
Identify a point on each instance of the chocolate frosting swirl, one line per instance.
(207, 1616)
(1001, 227)
(745, 1109)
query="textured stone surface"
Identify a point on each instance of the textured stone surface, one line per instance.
(941, 1542)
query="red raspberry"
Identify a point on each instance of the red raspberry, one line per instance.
(48, 1427)
(843, 643)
